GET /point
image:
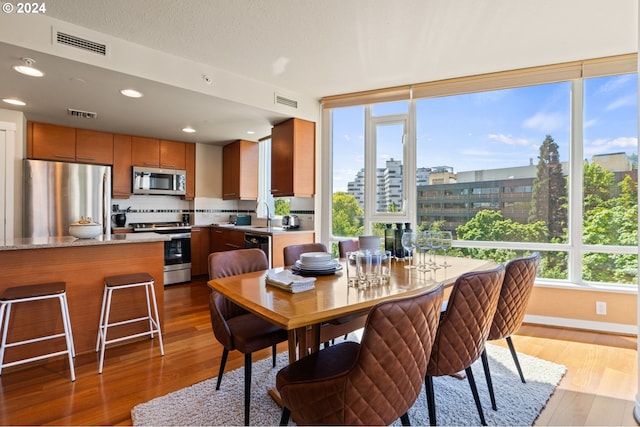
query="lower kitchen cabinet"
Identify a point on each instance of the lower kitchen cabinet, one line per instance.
(280, 240)
(200, 249)
(226, 239)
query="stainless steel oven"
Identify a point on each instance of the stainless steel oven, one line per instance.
(177, 250)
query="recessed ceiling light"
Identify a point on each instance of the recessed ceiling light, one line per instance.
(250, 132)
(188, 130)
(14, 101)
(27, 68)
(131, 93)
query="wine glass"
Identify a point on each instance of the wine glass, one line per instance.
(446, 240)
(422, 245)
(409, 244)
(434, 245)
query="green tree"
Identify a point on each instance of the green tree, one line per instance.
(281, 207)
(549, 194)
(347, 215)
(490, 225)
(598, 186)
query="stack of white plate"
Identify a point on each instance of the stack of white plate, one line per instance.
(316, 263)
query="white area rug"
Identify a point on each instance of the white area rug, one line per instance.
(518, 404)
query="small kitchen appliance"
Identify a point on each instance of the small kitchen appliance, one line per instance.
(290, 222)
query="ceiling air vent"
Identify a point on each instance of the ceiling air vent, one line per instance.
(286, 101)
(82, 114)
(80, 43)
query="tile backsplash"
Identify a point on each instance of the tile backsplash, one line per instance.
(203, 211)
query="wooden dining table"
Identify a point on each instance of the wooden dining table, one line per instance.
(332, 298)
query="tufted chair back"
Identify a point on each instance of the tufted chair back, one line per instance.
(463, 331)
(348, 245)
(371, 383)
(292, 253)
(520, 273)
(224, 264)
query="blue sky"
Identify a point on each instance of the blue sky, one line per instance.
(497, 129)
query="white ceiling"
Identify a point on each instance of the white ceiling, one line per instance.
(305, 49)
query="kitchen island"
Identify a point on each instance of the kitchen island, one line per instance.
(82, 264)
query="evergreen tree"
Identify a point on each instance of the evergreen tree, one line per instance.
(549, 194)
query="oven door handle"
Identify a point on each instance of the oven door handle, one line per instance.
(179, 235)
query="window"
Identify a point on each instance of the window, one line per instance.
(537, 160)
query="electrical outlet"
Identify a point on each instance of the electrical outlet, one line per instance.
(601, 307)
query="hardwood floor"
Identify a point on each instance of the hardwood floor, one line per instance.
(598, 389)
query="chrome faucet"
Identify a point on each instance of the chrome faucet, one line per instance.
(268, 212)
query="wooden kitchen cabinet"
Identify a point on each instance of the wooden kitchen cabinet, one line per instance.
(51, 142)
(121, 188)
(200, 249)
(190, 167)
(240, 171)
(172, 155)
(94, 147)
(145, 152)
(226, 239)
(293, 158)
(62, 143)
(280, 240)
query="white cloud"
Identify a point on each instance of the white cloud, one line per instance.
(508, 139)
(590, 123)
(605, 145)
(625, 101)
(544, 122)
(615, 84)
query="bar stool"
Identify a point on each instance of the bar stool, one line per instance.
(28, 293)
(125, 281)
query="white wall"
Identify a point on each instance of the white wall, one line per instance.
(12, 158)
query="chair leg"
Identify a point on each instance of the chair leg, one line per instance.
(476, 397)
(223, 362)
(284, 418)
(274, 353)
(405, 419)
(487, 375)
(431, 399)
(247, 387)
(515, 357)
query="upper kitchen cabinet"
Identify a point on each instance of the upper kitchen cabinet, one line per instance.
(145, 152)
(121, 166)
(293, 158)
(156, 153)
(240, 171)
(61, 143)
(172, 155)
(190, 167)
(94, 147)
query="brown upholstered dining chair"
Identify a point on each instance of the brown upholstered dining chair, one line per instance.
(463, 330)
(519, 276)
(371, 383)
(235, 327)
(292, 253)
(337, 327)
(348, 245)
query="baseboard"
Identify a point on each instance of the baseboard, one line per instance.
(615, 328)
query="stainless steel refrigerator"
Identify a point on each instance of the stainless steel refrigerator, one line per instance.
(57, 194)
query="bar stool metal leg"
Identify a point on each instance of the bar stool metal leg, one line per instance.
(124, 281)
(28, 293)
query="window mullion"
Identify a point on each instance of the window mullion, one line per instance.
(576, 168)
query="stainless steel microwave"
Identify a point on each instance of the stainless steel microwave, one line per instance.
(159, 181)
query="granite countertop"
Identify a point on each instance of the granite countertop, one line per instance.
(261, 229)
(18, 243)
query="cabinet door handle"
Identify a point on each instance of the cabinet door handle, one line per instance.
(166, 165)
(63, 156)
(150, 164)
(229, 194)
(85, 158)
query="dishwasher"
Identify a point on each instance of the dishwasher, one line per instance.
(260, 241)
